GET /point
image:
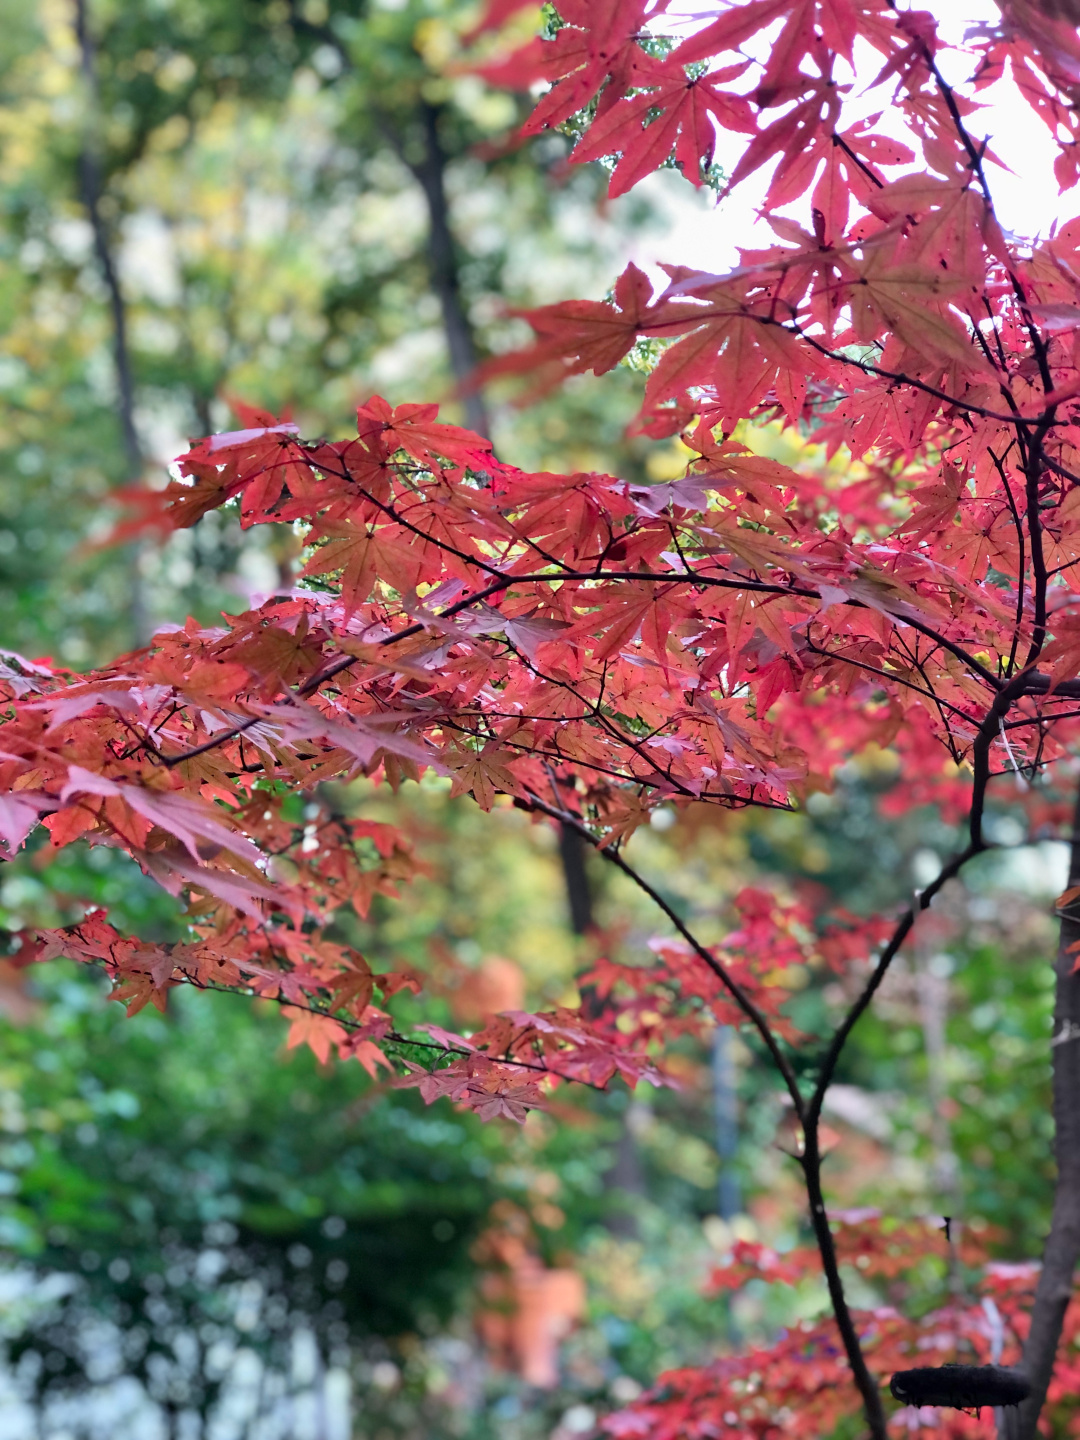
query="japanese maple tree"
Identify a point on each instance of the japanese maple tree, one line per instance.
(594, 649)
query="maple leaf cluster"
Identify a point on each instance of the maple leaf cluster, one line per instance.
(769, 955)
(800, 1384)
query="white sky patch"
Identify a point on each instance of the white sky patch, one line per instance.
(707, 235)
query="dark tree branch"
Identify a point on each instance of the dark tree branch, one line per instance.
(999, 466)
(336, 667)
(811, 1156)
(868, 1388)
(730, 984)
(1033, 474)
(858, 1009)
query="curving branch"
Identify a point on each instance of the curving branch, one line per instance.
(811, 1157)
(730, 984)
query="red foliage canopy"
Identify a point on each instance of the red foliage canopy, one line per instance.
(799, 1386)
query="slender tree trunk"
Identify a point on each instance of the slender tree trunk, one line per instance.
(932, 990)
(578, 893)
(625, 1177)
(1062, 1248)
(91, 188)
(445, 269)
(443, 263)
(726, 1119)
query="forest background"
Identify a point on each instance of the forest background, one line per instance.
(297, 205)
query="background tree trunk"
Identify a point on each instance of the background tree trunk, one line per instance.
(726, 1117)
(1062, 1247)
(576, 877)
(626, 1178)
(444, 266)
(91, 188)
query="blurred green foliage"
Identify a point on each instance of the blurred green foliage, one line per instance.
(268, 174)
(133, 1149)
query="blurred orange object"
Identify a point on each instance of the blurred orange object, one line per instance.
(494, 986)
(15, 1001)
(527, 1311)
